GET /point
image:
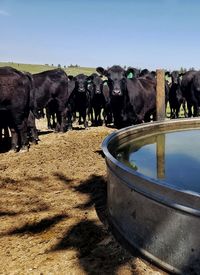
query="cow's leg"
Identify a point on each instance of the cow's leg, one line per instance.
(95, 117)
(69, 119)
(14, 139)
(53, 120)
(34, 134)
(92, 116)
(99, 120)
(147, 117)
(48, 115)
(196, 109)
(1, 133)
(23, 136)
(79, 118)
(104, 116)
(189, 106)
(178, 110)
(33, 129)
(117, 120)
(107, 114)
(74, 116)
(184, 108)
(59, 119)
(172, 110)
(6, 133)
(63, 124)
(84, 115)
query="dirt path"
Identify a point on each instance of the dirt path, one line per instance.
(53, 210)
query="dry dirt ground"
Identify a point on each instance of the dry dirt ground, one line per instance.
(53, 210)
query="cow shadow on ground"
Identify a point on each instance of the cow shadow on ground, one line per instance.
(39, 226)
(95, 246)
(79, 128)
(16, 188)
(45, 132)
(96, 187)
(16, 203)
(19, 201)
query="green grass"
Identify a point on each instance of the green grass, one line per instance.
(181, 114)
(34, 68)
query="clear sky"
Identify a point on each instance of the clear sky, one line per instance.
(141, 33)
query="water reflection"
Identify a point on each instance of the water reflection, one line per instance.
(160, 154)
(173, 158)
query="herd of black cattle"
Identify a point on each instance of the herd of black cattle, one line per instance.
(113, 96)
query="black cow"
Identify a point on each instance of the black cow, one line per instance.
(53, 88)
(195, 91)
(151, 75)
(132, 100)
(175, 95)
(16, 91)
(189, 88)
(80, 98)
(97, 98)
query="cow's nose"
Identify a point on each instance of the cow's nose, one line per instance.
(116, 91)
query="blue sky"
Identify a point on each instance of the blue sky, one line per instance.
(141, 33)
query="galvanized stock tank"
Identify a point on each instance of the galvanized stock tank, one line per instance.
(155, 214)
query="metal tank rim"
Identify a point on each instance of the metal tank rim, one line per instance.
(182, 124)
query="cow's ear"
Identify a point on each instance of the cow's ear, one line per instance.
(71, 77)
(102, 71)
(153, 73)
(91, 77)
(130, 72)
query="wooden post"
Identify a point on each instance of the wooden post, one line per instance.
(160, 153)
(160, 95)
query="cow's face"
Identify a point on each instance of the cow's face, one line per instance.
(81, 83)
(97, 84)
(175, 77)
(116, 79)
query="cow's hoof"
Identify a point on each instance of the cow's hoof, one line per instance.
(70, 128)
(35, 141)
(12, 151)
(24, 149)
